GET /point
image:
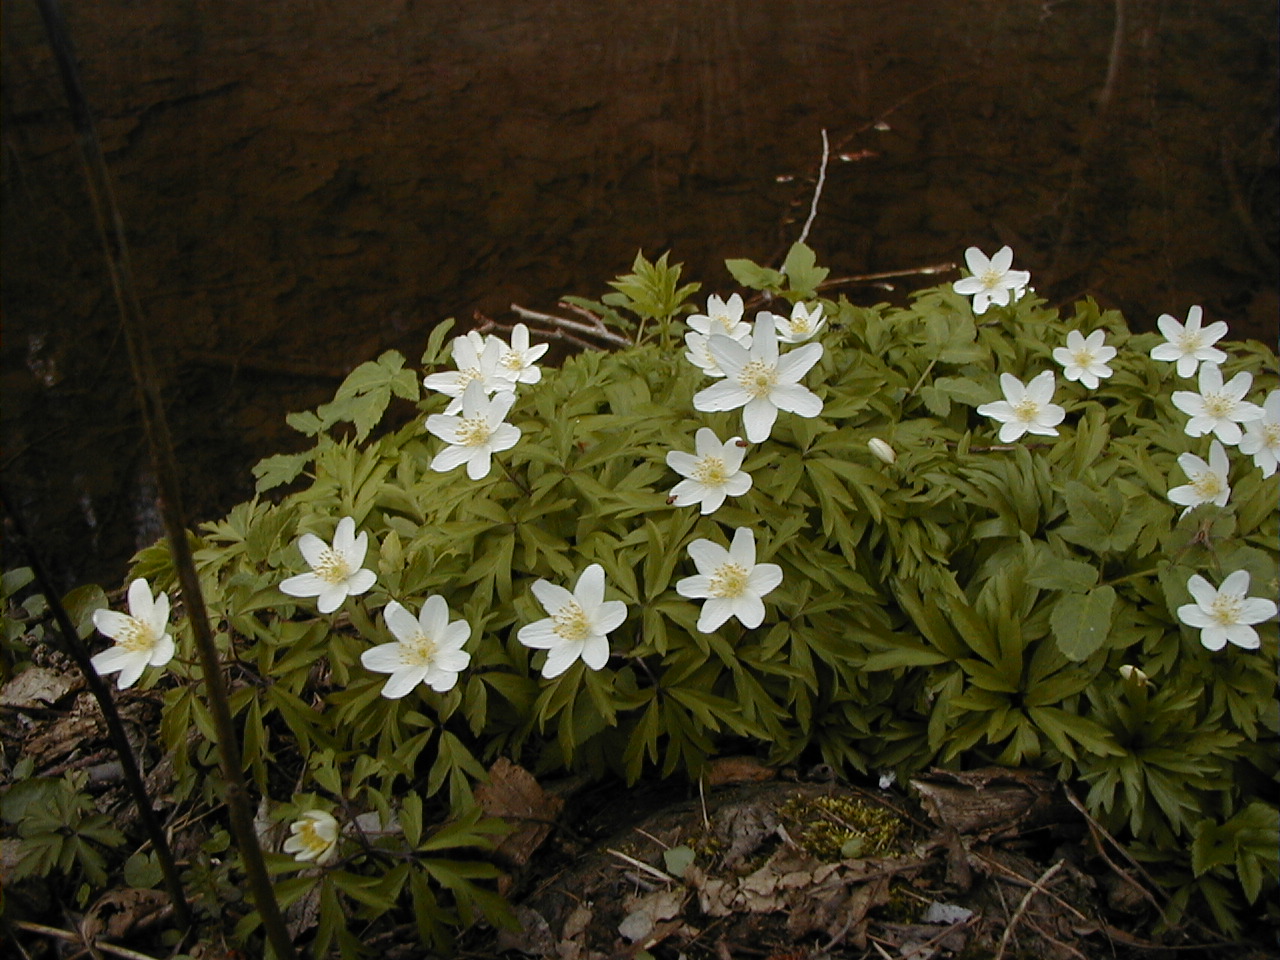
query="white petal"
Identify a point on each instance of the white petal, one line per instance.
(589, 591)
(162, 652)
(552, 596)
(384, 658)
(540, 635)
(560, 659)
(695, 588)
(764, 578)
(140, 602)
(748, 609)
(715, 611)
(403, 681)
(360, 581)
(595, 653)
(479, 463)
(331, 597)
(402, 624)
(707, 555)
(450, 458)
(344, 538)
(112, 623)
(794, 365)
(794, 398)
(610, 616)
(724, 395)
(742, 550)
(303, 585)
(758, 418)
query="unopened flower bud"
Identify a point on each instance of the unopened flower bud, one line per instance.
(1134, 675)
(882, 450)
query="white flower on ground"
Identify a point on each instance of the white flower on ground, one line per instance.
(1218, 408)
(313, 838)
(519, 361)
(803, 323)
(1262, 436)
(141, 636)
(335, 571)
(721, 317)
(882, 450)
(475, 436)
(1227, 613)
(477, 359)
(1025, 409)
(760, 381)
(1189, 345)
(428, 649)
(578, 625)
(713, 474)
(1208, 480)
(731, 581)
(1085, 359)
(993, 281)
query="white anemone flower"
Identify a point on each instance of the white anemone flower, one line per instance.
(477, 435)
(992, 281)
(314, 838)
(428, 649)
(1227, 613)
(518, 362)
(713, 474)
(760, 381)
(803, 324)
(699, 353)
(1208, 480)
(731, 581)
(578, 625)
(1189, 344)
(477, 359)
(142, 635)
(721, 317)
(336, 571)
(1085, 359)
(1218, 408)
(1025, 409)
(1262, 437)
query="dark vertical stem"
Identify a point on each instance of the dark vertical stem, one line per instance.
(75, 648)
(111, 229)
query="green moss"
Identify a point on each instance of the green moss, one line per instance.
(841, 828)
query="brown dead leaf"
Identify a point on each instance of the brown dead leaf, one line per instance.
(513, 794)
(118, 913)
(37, 687)
(737, 770)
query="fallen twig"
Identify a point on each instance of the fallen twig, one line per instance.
(596, 330)
(817, 190)
(1036, 887)
(69, 936)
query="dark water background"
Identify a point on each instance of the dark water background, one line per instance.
(308, 182)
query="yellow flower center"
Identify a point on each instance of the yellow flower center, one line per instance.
(729, 580)
(758, 378)
(710, 471)
(1208, 485)
(1026, 410)
(1219, 406)
(473, 431)
(1189, 341)
(991, 278)
(725, 322)
(136, 636)
(512, 360)
(571, 622)
(467, 375)
(800, 324)
(1271, 435)
(420, 650)
(332, 567)
(1083, 357)
(311, 838)
(1225, 608)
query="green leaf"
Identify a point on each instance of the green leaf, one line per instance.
(435, 354)
(1082, 622)
(753, 276)
(1053, 572)
(280, 469)
(81, 604)
(803, 275)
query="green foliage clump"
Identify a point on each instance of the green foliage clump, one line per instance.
(970, 603)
